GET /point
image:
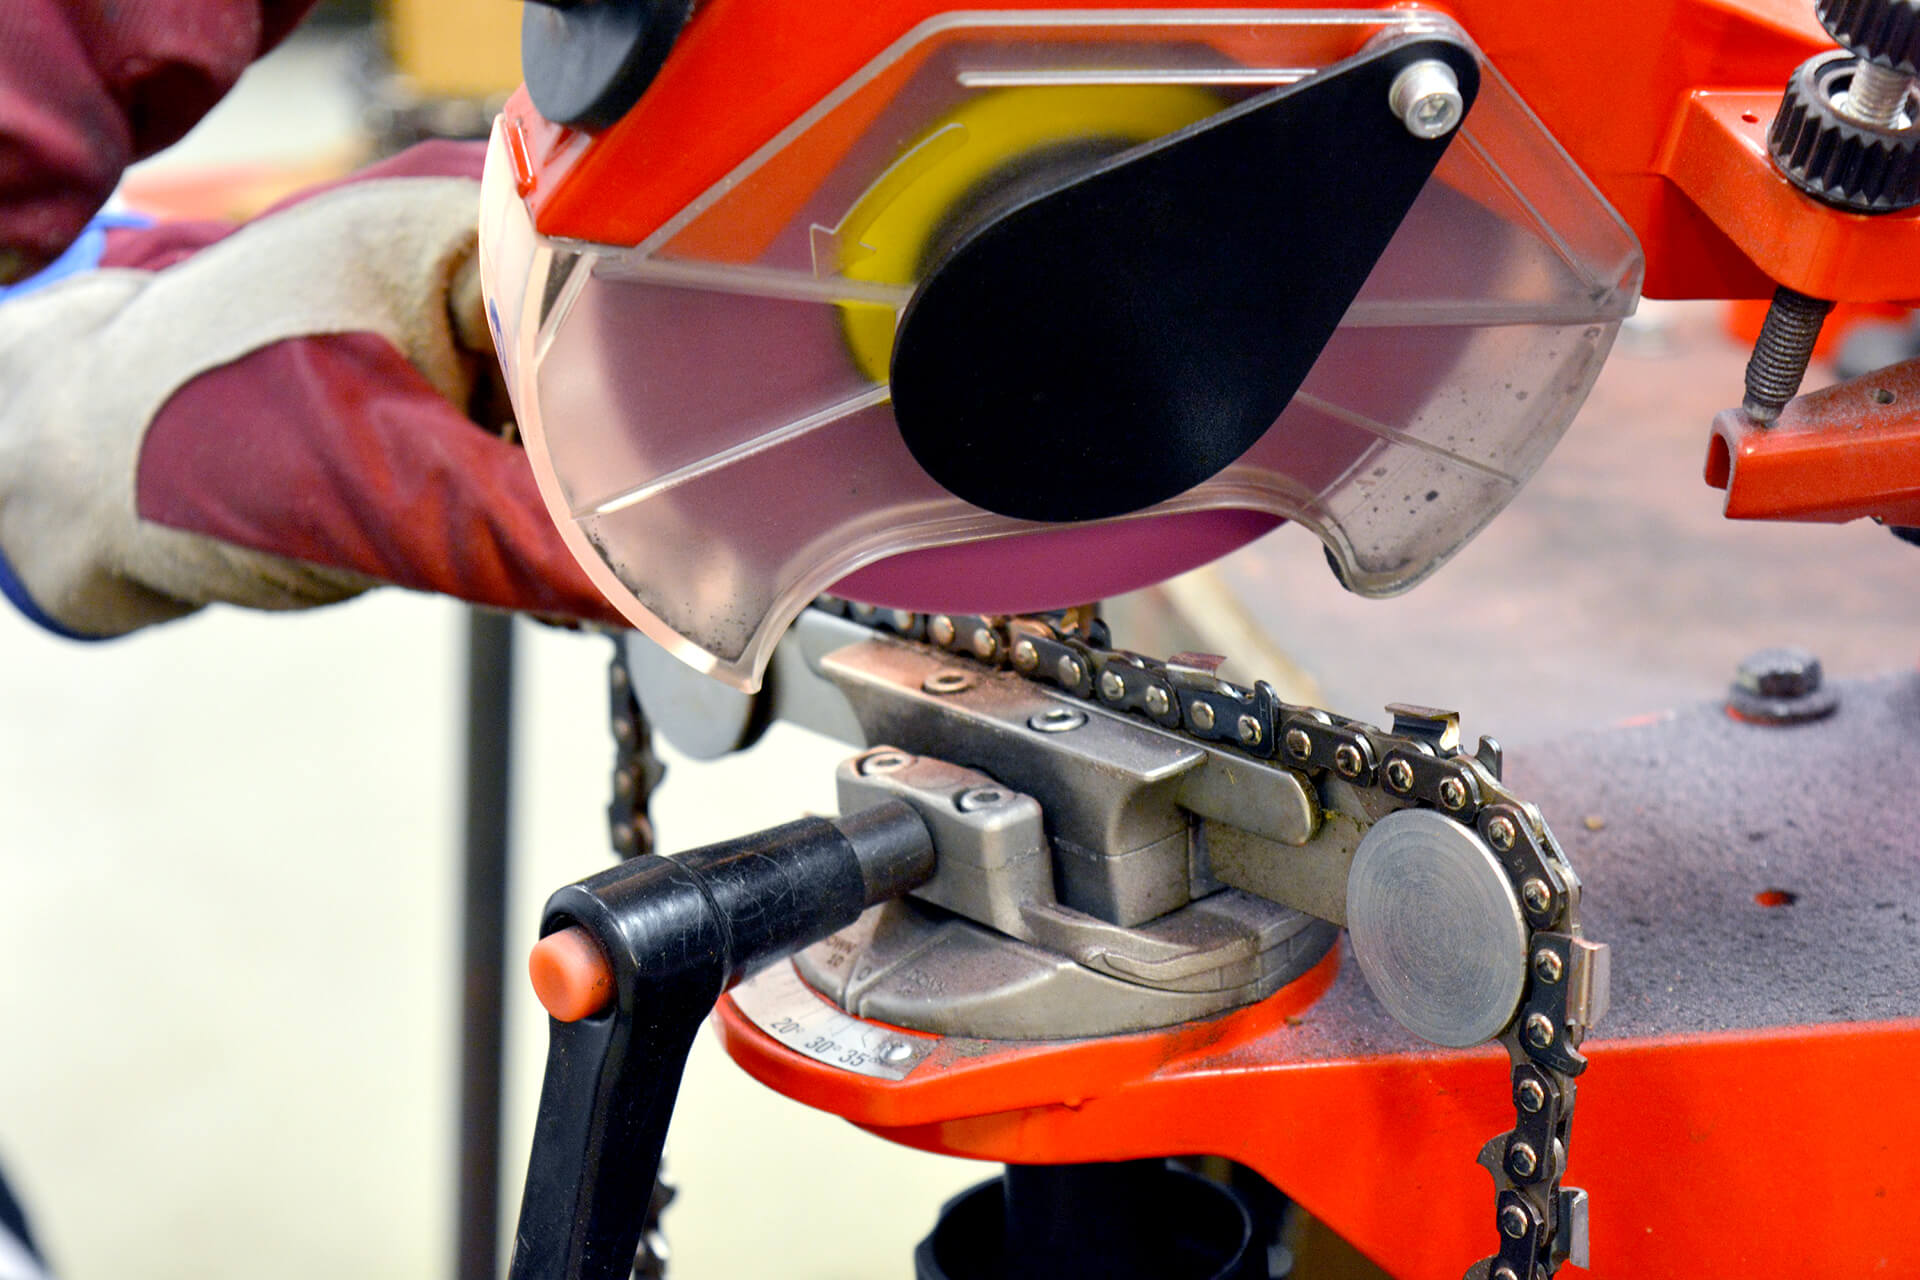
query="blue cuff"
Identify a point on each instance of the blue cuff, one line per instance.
(83, 255)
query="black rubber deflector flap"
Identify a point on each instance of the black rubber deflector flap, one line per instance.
(1118, 339)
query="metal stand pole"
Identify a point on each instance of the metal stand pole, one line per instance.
(483, 938)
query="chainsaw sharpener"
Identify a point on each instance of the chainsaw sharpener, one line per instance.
(971, 317)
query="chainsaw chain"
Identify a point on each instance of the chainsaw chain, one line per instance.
(1540, 1222)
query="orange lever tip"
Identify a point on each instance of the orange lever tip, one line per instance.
(570, 975)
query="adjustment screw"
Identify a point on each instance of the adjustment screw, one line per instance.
(1539, 1030)
(1299, 744)
(1531, 1095)
(1502, 832)
(1249, 731)
(1781, 353)
(1202, 713)
(985, 644)
(1070, 671)
(1399, 775)
(1536, 893)
(1426, 97)
(1514, 1221)
(1112, 687)
(941, 631)
(1157, 700)
(1026, 657)
(1056, 720)
(1523, 1160)
(1347, 759)
(978, 798)
(1453, 793)
(1547, 966)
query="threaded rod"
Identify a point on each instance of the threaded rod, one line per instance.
(1780, 356)
(1876, 95)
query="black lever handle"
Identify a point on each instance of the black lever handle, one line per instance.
(669, 936)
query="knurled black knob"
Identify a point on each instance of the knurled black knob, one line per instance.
(1860, 167)
(1886, 32)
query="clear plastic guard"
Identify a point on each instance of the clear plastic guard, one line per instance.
(708, 412)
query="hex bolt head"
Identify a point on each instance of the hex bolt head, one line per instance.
(1453, 793)
(1514, 1221)
(1502, 832)
(975, 799)
(1026, 656)
(1249, 730)
(1299, 744)
(1158, 701)
(1348, 760)
(1399, 775)
(1523, 1160)
(941, 631)
(1069, 670)
(1782, 672)
(1202, 713)
(985, 644)
(1426, 96)
(1530, 1096)
(1547, 966)
(1112, 687)
(1539, 1030)
(1536, 893)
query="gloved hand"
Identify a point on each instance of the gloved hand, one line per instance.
(276, 416)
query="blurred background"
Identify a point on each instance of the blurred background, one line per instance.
(230, 867)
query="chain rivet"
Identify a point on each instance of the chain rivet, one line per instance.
(1514, 1221)
(1069, 670)
(1502, 832)
(1531, 1095)
(1399, 775)
(1539, 1031)
(1347, 759)
(1523, 1160)
(1536, 894)
(1299, 744)
(1112, 687)
(985, 644)
(1202, 713)
(1453, 793)
(1026, 657)
(941, 631)
(1547, 965)
(1157, 700)
(1249, 731)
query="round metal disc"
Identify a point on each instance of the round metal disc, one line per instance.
(1436, 928)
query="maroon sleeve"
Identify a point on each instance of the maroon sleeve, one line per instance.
(89, 86)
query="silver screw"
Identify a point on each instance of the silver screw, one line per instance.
(1504, 1272)
(1157, 700)
(1426, 97)
(978, 798)
(948, 681)
(1399, 775)
(1536, 894)
(1547, 966)
(1202, 714)
(1876, 95)
(1026, 657)
(1347, 759)
(1523, 1160)
(1069, 670)
(1249, 731)
(1112, 687)
(1299, 744)
(884, 762)
(1531, 1095)
(1453, 793)
(896, 1051)
(941, 631)
(1539, 1030)
(985, 644)
(1513, 1221)
(1056, 720)
(1502, 832)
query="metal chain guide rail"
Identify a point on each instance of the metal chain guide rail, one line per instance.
(1418, 765)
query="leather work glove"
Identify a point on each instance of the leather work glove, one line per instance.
(277, 416)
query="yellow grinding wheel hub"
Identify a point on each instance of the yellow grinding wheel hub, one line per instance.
(889, 230)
